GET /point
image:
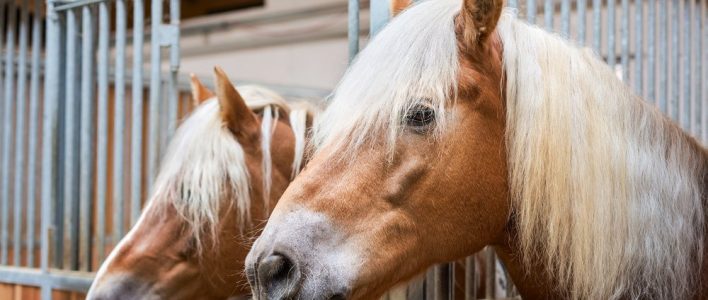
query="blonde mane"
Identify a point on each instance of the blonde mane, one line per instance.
(602, 182)
(606, 191)
(204, 161)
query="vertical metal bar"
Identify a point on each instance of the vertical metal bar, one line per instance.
(72, 108)
(611, 43)
(512, 4)
(87, 176)
(49, 135)
(565, 18)
(136, 163)
(353, 29)
(597, 28)
(674, 72)
(624, 41)
(531, 11)
(703, 61)
(379, 15)
(663, 69)
(490, 273)
(470, 278)
(441, 281)
(651, 51)
(33, 131)
(20, 130)
(7, 132)
(685, 104)
(638, 47)
(172, 92)
(118, 144)
(582, 6)
(694, 56)
(155, 91)
(102, 135)
(548, 11)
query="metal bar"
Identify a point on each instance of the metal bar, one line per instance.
(87, 176)
(137, 112)
(490, 273)
(611, 43)
(685, 104)
(77, 4)
(674, 60)
(624, 41)
(470, 278)
(440, 286)
(172, 92)
(638, 47)
(663, 63)
(565, 18)
(20, 130)
(102, 135)
(531, 11)
(49, 135)
(119, 142)
(72, 110)
(33, 131)
(651, 51)
(597, 29)
(548, 14)
(582, 6)
(512, 4)
(155, 91)
(379, 15)
(701, 68)
(353, 31)
(63, 280)
(7, 132)
(694, 56)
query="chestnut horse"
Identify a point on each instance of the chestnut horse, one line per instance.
(226, 166)
(460, 126)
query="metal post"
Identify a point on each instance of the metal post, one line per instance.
(71, 170)
(651, 51)
(531, 11)
(548, 11)
(685, 104)
(20, 131)
(379, 15)
(88, 121)
(136, 173)
(119, 142)
(470, 278)
(565, 18)
(638, 47)
(582, 5)
(490, 272)
(7, 132)
(172, 92)
(624, 42)
(33, 131)
(597, 29)
(663, 49)
(353, 31)
(611, 44)
(674, 72)
(49, 135)
(155, 91)
(102, 135)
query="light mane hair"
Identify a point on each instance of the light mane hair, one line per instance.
(606, 191)
(205, 163)
(610, 190)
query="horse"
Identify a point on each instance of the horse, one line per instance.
(226, 166)
(460, 126)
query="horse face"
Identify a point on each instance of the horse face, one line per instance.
(353, 227)
(162, 258)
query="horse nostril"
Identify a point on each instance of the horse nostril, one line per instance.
(278, 277)
(337, 297)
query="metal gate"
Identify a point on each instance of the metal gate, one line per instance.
(658, 47)
(94, 128)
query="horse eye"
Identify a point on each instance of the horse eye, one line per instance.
(420, 118)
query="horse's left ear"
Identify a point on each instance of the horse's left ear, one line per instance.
(199, 92)
(478, 18)
(234, 111)
(397, 6)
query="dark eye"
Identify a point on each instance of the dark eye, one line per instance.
(420, 118)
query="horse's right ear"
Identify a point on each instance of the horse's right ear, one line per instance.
(397, 6)
(199, 92)
(234, 111)
(478, 19)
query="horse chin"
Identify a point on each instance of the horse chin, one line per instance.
(302, 255)
(122, 286)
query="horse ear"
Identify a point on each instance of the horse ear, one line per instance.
(199, 92)
(234, 111)
(397, 6)
(479, 18)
